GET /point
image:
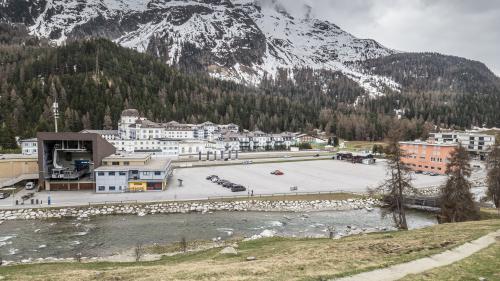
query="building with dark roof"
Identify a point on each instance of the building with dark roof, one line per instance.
(66, 161)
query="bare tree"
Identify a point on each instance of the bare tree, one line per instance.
(457, 202)
(78, 257)
(138, 251)
(183, 244)
(494, 175)
(398, 181)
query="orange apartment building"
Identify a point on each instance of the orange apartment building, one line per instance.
(426, 157)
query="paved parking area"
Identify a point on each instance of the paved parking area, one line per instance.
(308, 176)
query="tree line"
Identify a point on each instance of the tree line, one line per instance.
(94, 80)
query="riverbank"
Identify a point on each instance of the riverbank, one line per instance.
(187, 207)
(273, 258)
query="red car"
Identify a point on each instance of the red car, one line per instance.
(277, 173)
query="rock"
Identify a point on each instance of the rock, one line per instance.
(482, 279)
(251, 258)
(267, 233)
(228, 251)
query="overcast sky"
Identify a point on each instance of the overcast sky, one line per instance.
(466, 28)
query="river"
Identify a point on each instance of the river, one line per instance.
(108, 235)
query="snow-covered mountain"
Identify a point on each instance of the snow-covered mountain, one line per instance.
(240, 40)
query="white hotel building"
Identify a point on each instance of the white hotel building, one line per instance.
(137, 134)
(474, 142)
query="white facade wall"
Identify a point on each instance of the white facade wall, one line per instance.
(29, 147)
(473, 142)
(124, 129)
(167, 148)
(111, 181)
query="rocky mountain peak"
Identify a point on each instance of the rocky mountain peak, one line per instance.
(240, 40)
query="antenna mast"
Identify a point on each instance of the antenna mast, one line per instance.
(55, 110)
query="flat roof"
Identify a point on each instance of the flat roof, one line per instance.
(29, 140)
(18, 156)
(155, 164)
(125, 156)
(429, 144)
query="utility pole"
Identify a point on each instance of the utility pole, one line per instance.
(55, 110)
(97, 64)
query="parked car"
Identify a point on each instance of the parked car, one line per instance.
(28, 196)
(286, 156)
(215, 179)
(277, 173)
(227, 184)
(212, 177)
(30, 185)
(4, 195)
(238, 188)
(246, 162)
(316, 155)
(221, 181)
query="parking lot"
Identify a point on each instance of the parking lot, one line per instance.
(307, 176)
(310, 176)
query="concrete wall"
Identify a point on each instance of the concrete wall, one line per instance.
(12, 167)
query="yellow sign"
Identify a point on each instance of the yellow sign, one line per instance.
(137, 186)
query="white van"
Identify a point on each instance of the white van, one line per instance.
(30, 185)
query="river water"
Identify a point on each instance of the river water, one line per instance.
(108, 235)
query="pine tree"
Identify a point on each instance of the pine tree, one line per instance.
(398, 182)
(494, 174)
(457, 202)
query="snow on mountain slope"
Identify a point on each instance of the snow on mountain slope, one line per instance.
(240, 40)
(311, 43)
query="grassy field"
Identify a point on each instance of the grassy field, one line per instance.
(276, 258)
(361, 145)
(485, 263)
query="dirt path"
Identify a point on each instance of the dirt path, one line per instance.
(399, 271)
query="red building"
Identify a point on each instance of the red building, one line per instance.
(426, 157)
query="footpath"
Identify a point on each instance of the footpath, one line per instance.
(399, 271)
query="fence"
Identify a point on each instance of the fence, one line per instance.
(290, 194)
(113, 202)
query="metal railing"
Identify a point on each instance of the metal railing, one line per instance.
(284, 194)
(113, 202)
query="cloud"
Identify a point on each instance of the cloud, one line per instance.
(463, 28)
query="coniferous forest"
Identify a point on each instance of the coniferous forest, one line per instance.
(94, 80)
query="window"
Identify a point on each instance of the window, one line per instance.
(115, 163)
(100, 173)
(112, 188)
(126, 163)
(157, 173)
(101, 188)
(122, 173)
(145, 173)
(111, 173)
